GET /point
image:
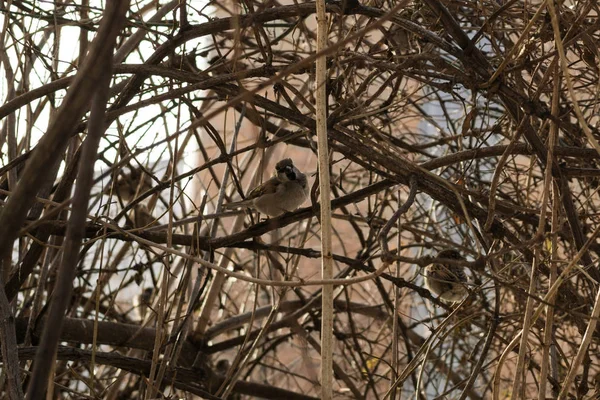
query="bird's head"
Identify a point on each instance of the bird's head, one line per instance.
(450, 253)
(286, 171)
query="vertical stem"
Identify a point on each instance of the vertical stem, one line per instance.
(157, 367)
(394, 371)
(518, 383)
(549, 324)
(326, 258)
(8, 344)
(527, 322)
(583, 347)
(83, 35)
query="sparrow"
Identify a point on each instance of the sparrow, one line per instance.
(142, 301)
(128, 185)
(142, 217)
(445, 280)
(284, 192)
(222, 366)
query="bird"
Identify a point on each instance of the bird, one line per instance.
(142, 301)
(222, 366)
(284, 192)
(142, 217)
(447, 281)
(128, 185)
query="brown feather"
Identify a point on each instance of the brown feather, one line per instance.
(267, 187)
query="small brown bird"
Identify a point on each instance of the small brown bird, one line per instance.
(143, 301)
(222, 366)
(129, 185)
(284, 192)
(142, 217)
(447, 281)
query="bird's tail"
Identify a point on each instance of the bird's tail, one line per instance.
(235, 204)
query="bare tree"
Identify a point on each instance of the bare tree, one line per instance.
(472, 127)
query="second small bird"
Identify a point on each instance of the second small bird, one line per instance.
(448, 281)
(284, 192)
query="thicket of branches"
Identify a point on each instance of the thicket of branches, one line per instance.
(477, 120)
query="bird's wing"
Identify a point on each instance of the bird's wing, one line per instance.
(267, 187)
(446, 274)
